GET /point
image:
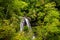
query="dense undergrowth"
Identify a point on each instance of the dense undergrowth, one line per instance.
(44, 17)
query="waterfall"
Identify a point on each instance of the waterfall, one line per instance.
(24, 19)
(28, 23)
(22, 24)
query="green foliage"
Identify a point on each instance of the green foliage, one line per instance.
(21, 36)
(42, 14)
(6, 32)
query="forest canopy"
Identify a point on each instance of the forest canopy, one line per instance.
(43, 15)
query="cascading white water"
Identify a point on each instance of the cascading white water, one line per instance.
(28, 24)
(22, 24)
(24, 19)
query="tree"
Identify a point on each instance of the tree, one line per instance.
(42, 14)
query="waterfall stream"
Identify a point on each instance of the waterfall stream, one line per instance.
(23, 20)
